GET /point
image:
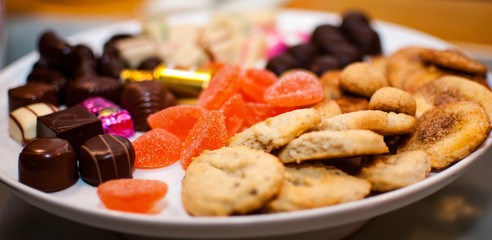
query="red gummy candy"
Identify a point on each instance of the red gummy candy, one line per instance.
(257, 112)
(209, 133)
(178, 120)
(254, 82)
(223, 85)
(295, 88)
(156, 148)
(132, 195)
(234, 112)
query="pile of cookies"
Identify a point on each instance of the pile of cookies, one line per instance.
(384, 124)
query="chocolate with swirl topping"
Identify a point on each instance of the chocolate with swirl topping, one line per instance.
(106, 157)
(142, 98)
(74, 124)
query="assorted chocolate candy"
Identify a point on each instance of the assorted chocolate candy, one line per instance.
(331, 47)
(48, 164)
(32, 92)
(74, 124)
(143, 98)
(106, 157)
(22, 121)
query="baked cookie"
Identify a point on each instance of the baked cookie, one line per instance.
(411, 67)
(389, 172)
(328, 108)
(379, 64)
(316, 185)
(453, 59)
(449, 132)
(277, 131)
(332, 144)
(349, 103)
(451, 89)
(407, 70)
(360, 79)
(391, 99)
(330, 81)
(383, 123)
(230, 180)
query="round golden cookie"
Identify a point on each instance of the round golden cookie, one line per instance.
(383, 123)
(330, 81)
(360, 79)
(407, 70)
(449, 132)
(451, 89)
(277, 131)
(332, 144)
(379, 64)
(389, 172)
(316, 185)
(228, 181)
(454, 59)
(390, 99)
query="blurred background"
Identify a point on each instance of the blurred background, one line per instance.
(465, 23)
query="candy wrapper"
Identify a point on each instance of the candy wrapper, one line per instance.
(115, 120)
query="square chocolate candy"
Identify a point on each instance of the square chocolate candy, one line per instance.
(74, 124)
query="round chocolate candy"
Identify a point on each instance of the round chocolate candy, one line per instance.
(143, 98)
(282, 63)
(324, 63)
(106, 157)
(303, 53)
(48, 164)
(346, 53)
(57, 53)
(327, 32)
(91, 86)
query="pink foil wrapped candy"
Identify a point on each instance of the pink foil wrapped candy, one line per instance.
(115, 120)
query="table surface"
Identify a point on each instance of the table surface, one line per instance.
(462, 210)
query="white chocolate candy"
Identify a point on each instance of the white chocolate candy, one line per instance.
(22, 121)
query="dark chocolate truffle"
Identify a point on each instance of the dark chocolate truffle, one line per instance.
(282, 63)
(327, 33)
(48, 164)
(74, 124)
(324, 63)
(32, 92)
(303, 53)
(50, 76)
(106, 157)
(143, 98)
(57, 53)
(92, 86)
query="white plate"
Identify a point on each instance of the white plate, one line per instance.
(80, 202)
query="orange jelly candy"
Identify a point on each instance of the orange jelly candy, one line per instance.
(209, 133)
(254, 82)
(223, 85)
(156, 148)
(178, 120)
(132, 195)
(294, 89)
(234, 112)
